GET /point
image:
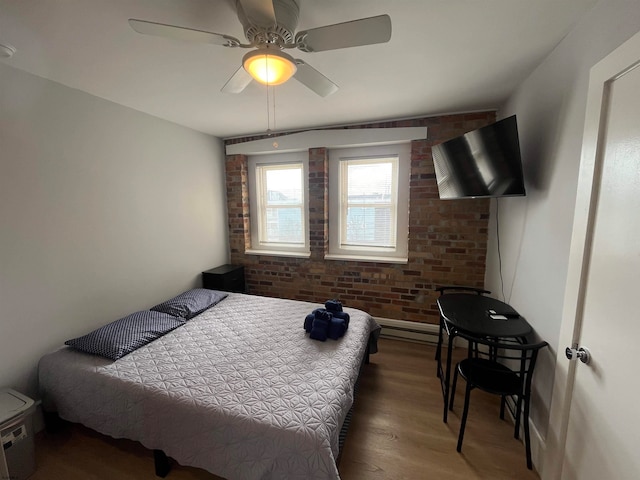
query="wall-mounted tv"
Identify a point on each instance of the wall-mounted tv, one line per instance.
(483, 163)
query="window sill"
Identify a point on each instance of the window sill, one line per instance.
(366, 258)
(278, 253)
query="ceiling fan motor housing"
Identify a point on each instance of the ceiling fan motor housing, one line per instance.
(283, 32)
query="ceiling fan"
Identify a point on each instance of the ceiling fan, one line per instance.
(269, 26)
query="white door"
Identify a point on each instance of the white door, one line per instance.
(599, 409)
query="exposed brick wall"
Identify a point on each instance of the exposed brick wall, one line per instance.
(318, 203)
(237, 203)
(447, 239)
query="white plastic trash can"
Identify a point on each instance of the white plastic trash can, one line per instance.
(17, 456)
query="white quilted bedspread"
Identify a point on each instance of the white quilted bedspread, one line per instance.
(240, 390)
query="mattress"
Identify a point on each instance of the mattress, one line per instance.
(240, 390)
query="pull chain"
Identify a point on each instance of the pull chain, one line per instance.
(273, 91)
(273, 94)
(273, 100)
(268, 117)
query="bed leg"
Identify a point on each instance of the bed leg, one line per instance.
(366, 355)
(161, 462)
(52, 422)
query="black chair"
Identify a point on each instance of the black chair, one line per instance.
(502, 367)
(443, 290)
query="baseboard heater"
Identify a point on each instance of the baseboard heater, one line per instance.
(405, 330)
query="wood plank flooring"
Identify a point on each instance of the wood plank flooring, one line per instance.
(396, 433)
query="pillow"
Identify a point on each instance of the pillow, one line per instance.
(190, 303)
(123, 336)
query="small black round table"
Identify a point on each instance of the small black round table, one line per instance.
(479, 316)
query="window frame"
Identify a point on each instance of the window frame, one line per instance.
(257, 204)
(338, 250)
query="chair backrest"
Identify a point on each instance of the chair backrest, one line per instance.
(516, 354)
(461, 289)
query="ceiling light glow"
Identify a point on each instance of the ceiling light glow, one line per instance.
(269, 66)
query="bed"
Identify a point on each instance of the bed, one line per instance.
(239, 390)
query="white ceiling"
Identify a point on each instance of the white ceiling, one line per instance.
(444, 56)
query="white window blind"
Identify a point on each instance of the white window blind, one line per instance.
(369, 199)
(281, 204)
(369, 203)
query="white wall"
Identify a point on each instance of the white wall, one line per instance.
(535, 231)
(103, 211)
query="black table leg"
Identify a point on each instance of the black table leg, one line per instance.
(447, 379)
(439, 348)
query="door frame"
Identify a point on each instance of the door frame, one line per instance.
(620, 61)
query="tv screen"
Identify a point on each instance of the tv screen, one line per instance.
(482, 163)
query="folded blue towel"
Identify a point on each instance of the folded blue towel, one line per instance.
(308, 320)
(320, 325)
(344, 316)
(333, 305)
(337, 328)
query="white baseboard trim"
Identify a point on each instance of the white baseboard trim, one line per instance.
(538, 447)
(410, 331)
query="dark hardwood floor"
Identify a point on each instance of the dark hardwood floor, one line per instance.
(396, 433)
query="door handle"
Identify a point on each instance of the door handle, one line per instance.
(583, 354)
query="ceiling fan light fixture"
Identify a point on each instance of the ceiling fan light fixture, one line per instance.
(269, 66)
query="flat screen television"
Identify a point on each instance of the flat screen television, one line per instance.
(483, 163)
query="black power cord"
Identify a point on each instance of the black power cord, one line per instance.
(498, 241)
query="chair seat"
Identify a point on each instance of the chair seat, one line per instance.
(490, 376)
(486, 368)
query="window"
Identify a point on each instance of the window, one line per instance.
(369, 203)
(278, 203)
(369, 191)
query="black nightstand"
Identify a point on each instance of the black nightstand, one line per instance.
(229, 278)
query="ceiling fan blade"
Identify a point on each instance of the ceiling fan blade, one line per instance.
(258, 12)
(313, 79)
(181, 33)
(366, 31)
(238, 81)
